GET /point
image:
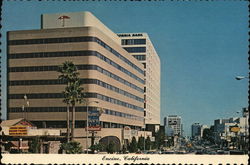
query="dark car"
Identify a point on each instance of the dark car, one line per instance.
(236, 152)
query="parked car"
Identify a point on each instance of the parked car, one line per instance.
(236, 152)
(167, 152)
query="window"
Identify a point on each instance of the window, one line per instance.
(74, 39)
(140, 57)
(133, 41)
(135, 49)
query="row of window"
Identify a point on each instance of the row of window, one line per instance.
(50, 109)
(55, 68)
(51, 54)
(114, 101)
(119, 67)
(140, 57)
(119, 55)
(75, 39)
(36, 96)
(72, 53)
(133, 41)
(117, 78)
(87, 95)
(78, 109)
(135, 49)
(113, 88)
(83, 81)
(125, 115)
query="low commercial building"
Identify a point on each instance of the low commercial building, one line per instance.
(17, 135)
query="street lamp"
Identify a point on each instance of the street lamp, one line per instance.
(241, 77)
(25, 114)
(87, 124)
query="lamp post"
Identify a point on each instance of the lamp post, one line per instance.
(25, 114)
(144, 134)
(87, 124)
(241, 77)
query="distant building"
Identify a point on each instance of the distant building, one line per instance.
(173, 124)
(202, 129)
(196, 130)
(232, 127)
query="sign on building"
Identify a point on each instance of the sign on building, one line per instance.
(234, 129)
(94, 120)
(126, 132)
(18, 130)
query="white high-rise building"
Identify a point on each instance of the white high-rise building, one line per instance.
(140, 47)
(173, 122)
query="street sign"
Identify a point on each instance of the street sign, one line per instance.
(94, 121)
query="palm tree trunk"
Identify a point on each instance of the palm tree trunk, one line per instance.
(68, 129)
(73, 122)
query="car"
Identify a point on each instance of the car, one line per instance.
(199, 153)
(220, 152)
(236, 152)
(167, 152)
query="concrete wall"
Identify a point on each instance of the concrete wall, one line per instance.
(41, 132)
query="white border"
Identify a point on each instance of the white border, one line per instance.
(98, 159)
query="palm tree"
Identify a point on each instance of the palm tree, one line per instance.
(75, 95)
(73, 91)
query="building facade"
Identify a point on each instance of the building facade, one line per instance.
(173, 125)
(140, 47)
(196, 130)
(108, 73)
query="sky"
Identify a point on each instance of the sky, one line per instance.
(202, 45)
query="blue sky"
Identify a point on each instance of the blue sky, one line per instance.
(202, 46)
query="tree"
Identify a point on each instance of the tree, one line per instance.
(111, 147)
(141, 143)
(133, 145)
(97, 147)
(73, 91)
(208, 135)
(34, 145)
(72, 147)
(148, 143)
(159, 139)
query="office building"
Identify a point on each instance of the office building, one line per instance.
(109, 74)
(203, 127)
(140, 47)
(173, 125)
(196, 130)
